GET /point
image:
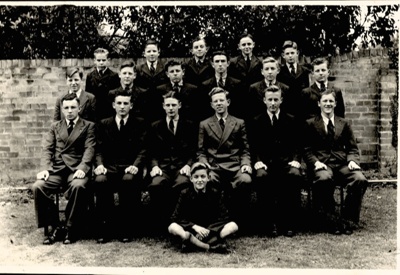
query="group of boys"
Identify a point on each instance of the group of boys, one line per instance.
(167, 129)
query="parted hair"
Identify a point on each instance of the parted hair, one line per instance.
(74, 70)
(218, 90)
(70, 96)
(199, 166)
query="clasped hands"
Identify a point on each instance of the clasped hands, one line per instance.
(201, 232)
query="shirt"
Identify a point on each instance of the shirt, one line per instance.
(319, 84)
(75, 121)
(78, 93)
(175, 121)
(326, 121)
(273, 82)
(154, 64)
(223, 118)
(271, 114)
(118, 121)
(294, 65)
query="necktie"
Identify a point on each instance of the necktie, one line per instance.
(292, 71)
(222, 124)
(175, 87)
(121, 125)
(221, 82)
(152, 69)
(70, 127)
(171, 126)
(323, 88)
(274, 120)
(199, 63)
(270, 84)
(248, 61)
(331, 130)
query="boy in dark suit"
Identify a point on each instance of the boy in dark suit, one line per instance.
(187, 93)
(200, 217)
(198, 68)
(120, 156)
(87, 101)
(100, 81)
(270, 69)
(151, 73)
(310, 96)
(68, 152)
(293, 75)
(172, 147)
(223, 145)
(246, 67)
(220, 63)
(332, 156)
(276, 154)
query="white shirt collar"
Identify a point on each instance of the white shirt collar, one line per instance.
(276, 114)
(180, 83)
(118, 120)
(273, 82)
(294, 65)
(154, 64)
(326, 121)
(78, 93)
(219, 117)
(75, 121)
(319, 84)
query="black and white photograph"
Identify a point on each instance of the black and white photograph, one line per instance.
(176, 137)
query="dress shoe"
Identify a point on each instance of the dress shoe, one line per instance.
(220, 248)
(57, 234)
(102, 240)
(126, 240)
(185, 247)
(289, 233)
(274, 231)
(69, 237)
(347, 229)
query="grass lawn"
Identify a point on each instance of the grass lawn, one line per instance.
(373, 246)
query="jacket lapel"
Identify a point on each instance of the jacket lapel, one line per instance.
(83, 99)
(339, 124)
(62, 129)
(76, 132)
(229, 126)
(214, 126)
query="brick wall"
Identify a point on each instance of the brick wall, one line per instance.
(29, 88)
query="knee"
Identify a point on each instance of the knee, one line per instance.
(245, 179)
(79, 183)
(99, 179)
(261, 174)
(230, 228)
(173, 228)
(323, 177)
(38, 185)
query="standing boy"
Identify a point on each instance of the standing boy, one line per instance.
(332, 156)
(100, 81)
(201, 218)
(119, 167)
(68, 152)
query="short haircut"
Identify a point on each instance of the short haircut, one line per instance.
(328, 92)
(100, 51)
(129, 64)
(270, 59)
(218, 90)
(219, 53)
(173, 63)
(289, 44)
(244, 35)
(199, 38)
(70, 96)
(71, 71)
(173, 94)
(199, 166)
(151, 42)
(273, 89)
(319, 61)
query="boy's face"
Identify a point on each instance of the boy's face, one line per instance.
(273, 101)
(321, 72)
(171, 107)
(199, 179)
(199, 48)
(100, 61)
(175, 73)
(220, 103)
(270, 71)
(127, 75)
(122, 105)
(220, 64)
(151, 53)
(70, 109)
(74, 82)
(246, 45)
(290, 55)
(327, 103)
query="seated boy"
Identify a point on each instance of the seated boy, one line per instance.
(200, 218)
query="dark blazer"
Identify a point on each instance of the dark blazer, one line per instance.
(120, 149)
(296, 85)
(207, 210)
(99, 86)
(195, 74)
(236, 94)
(318, 146)
(309, 102)
(146, 81)
(87, 104)
(74, 152)
(275, 145)
(228, 149)
(139, 100)
(188, 93)
(238, 69)
(169, 151)
(255, 103)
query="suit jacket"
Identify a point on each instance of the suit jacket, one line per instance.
(87, 104)
(275, 145)
(74, 152)
(169, 151)
(319, 147)
(139, 100)
(146, 81)
(207, 210)
(255, 103)
(195, 74)
(236, 94)
(228, 149)
(296, 85)
(309, 102)
(99, 86)
(121, 149)
(188, 94)
(238, 69)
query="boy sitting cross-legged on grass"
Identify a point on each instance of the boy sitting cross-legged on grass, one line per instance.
(200, 218)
